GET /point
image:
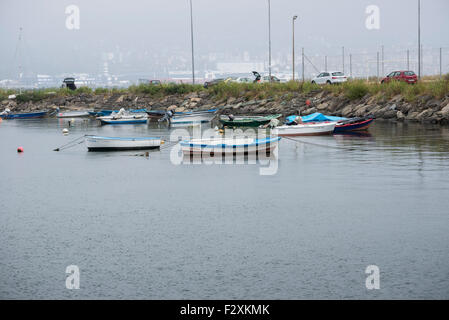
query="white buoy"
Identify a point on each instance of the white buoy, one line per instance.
(65, 131)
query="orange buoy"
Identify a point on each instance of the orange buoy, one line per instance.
(20, 149)
(308, 102)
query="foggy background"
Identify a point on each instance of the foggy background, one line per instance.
(151, 38)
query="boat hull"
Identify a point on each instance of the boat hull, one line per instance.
(229, 146)
(357, 126)
(248, 121)
(30, 115)
(96, 143)
(126, 119)
(75, 114)
(191, 118)
(313, 129)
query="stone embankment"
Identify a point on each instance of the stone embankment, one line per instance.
(422, 109)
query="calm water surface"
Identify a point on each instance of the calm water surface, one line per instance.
(144, 228)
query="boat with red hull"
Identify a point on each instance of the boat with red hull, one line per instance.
(353, 125)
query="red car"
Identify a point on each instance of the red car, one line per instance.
(406, 76)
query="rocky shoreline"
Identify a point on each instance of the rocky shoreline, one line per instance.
(423, 109)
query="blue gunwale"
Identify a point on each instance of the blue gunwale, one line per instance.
(123, 138)
(256, 142)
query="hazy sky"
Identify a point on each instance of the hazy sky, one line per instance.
(163, 27)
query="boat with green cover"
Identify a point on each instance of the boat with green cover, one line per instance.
(246, 121)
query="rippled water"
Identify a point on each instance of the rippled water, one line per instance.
(142, 227)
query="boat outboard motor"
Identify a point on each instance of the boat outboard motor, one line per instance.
(6, 111)
(231, 117)
(168, 114)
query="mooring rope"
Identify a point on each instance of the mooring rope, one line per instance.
(71, 143)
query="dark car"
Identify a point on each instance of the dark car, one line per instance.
(69, 83)
(406, 76)
(211, 83)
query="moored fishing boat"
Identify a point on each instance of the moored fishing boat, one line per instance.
(124, 117)
(155, 114)
(105, 113)
(193, 117)
(356, 124)
(98, 143)
(8, 115)
(246, 121)
(73, 114)
(343, 124)
(306, 129)
(217, 146)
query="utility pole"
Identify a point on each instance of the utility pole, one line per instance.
(441, 62)
(383, 59)
(350, 65)
(269, 38)
(302, 64)
(343, 58)
(377, 65)
(325, 63)
(191, 36)
(293, 23)
(408, 59)
(419, 39)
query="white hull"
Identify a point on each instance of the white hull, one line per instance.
(95, 143)
(228, 146)
(306, 129)
(73, 114)
(192, 118)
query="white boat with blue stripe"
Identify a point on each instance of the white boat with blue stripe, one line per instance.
(193, 117)
(217, 146)
(98, 143)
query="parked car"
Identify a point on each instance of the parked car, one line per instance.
(244, 80)
(330, 77)
(267, 79)
(155, 82)
(69, 83)
(214, 82)
(406, 76)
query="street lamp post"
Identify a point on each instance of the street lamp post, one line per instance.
(269, 39)
(419, 39)
(191, 37)
(293, 22)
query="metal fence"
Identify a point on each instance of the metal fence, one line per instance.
(365, 65)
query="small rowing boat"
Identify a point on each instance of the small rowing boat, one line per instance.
(246, 121)
(355, 124)
(192, 117)
(105, 113)
(98, 143)
(230, 146)
(306, 129)
(73, 114)
(7, 115)
(124, 117)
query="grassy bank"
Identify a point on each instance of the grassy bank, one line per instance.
(352, 90)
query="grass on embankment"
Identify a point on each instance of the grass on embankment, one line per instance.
(354, 89)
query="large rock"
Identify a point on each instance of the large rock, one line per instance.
(172, 107)
(426, 114)
(322, 106)
(400, 116)
(347, 111)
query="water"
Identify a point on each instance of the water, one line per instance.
(144, 228)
